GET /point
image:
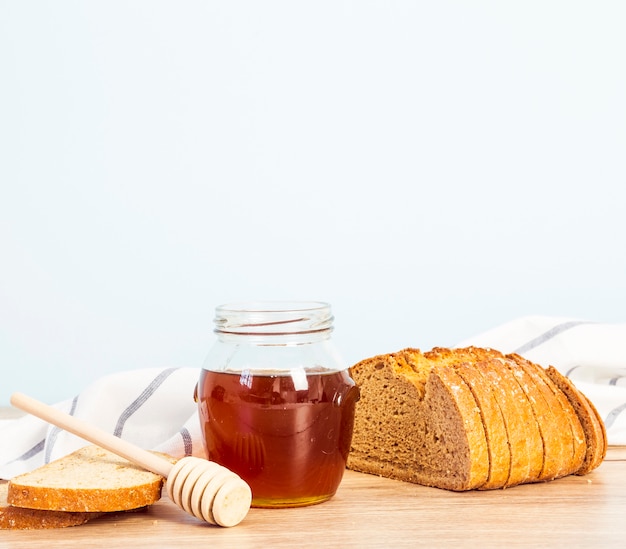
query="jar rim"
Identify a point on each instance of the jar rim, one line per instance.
(273, 317)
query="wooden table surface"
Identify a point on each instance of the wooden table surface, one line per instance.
(369, 511)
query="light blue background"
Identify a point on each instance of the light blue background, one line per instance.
(432, 169)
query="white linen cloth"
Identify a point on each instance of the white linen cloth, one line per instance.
(154, 408)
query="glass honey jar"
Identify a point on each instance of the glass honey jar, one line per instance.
(276, 403)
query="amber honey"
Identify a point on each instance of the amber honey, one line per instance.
(288, 435)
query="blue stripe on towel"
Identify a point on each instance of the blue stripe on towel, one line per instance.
(613, 414)
(547, 336)
(31, 453)
(187, 442)
(54, 433)
(141, 399)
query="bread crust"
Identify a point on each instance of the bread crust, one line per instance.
(17, 518)
(602, 437)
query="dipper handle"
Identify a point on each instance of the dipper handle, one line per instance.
(93, 434)
(202, 488)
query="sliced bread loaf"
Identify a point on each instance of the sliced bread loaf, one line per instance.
(18, 518)
(89, 480)
(470, 418)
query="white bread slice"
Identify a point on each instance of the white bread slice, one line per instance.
(89, 480)
(19, 518)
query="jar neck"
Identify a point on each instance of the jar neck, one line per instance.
(274, 323)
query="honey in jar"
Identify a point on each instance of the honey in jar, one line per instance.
(275, 402)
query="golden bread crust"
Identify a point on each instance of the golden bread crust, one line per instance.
(17, 518)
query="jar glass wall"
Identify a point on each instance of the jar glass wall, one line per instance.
(276, 402)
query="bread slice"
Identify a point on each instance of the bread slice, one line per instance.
(417, 425)
(553, 428)
(426, 418)
(562, 431)
(90, 480)
(592, 424)
(18, 518)
(603, 442)
(495, 428)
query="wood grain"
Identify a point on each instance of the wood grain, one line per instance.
(369, 511)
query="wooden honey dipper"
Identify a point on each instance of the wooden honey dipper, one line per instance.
(203, 488)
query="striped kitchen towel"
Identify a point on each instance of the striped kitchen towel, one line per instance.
(152, 408)
(591, 354)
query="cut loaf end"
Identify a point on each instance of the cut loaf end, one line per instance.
(415, 425)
